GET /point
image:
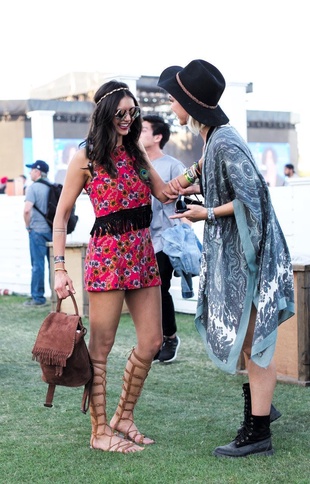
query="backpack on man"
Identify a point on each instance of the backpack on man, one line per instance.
(53, 197)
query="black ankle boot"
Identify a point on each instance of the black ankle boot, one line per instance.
(274, 413)
(247, 403)
(253, 438)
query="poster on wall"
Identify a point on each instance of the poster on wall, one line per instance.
(64, 149)
(271, 159)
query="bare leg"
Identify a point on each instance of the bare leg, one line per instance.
(254, 436)
(145, 308)
(262, 384)
(262, 380)
(103, 325)
(134, 377)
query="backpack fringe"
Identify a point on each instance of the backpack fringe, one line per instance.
(50, 357)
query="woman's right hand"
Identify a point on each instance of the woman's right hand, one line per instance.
(176, 189)
(63, 285)
(191, 190)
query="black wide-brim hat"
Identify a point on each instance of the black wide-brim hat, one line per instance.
(198, 87)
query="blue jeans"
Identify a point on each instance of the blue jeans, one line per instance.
(38, 252)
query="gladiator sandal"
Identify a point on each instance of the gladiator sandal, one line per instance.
(98, 413)
(134, 377)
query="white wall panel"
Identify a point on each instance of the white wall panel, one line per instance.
(291, 203)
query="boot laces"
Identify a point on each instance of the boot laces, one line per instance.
(244, 433)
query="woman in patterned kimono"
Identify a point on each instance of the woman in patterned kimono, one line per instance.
(246, 279)
(120, 264)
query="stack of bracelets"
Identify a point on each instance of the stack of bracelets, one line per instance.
(59, 259)
(211, 220)
(192, 173)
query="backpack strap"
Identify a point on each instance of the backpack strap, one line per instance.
(44, 183)
(88, 386)
(86, 397)
(50, 395)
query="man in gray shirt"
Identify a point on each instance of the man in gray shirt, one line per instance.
(39, 231)
(155, 134)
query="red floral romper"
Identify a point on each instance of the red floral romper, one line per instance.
(126, 260)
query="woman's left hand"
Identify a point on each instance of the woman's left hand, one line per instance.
(194, 213)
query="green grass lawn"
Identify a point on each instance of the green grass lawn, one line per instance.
(189, 407)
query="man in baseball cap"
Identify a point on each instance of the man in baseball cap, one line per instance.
(39, 231)
(39, 165)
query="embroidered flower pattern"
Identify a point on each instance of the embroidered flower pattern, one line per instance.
(123, 261)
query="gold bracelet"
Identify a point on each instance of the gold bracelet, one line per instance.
(60, 269)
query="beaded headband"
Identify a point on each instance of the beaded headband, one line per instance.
(111, 92)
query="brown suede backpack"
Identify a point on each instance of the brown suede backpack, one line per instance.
(61, 350)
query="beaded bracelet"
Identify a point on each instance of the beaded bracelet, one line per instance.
(58, 258)
(211, 220)
(60, 269)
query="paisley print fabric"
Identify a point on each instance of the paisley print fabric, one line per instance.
(245, 257)
(121, 261)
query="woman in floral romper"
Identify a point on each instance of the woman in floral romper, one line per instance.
(120, 263)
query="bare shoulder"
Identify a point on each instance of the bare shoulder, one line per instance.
(78, 171)
(79, 159)
(79, 165)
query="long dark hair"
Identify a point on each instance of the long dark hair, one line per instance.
(102, 137)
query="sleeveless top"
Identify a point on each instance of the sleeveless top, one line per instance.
(123, 260)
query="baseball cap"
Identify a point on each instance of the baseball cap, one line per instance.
(39, 165)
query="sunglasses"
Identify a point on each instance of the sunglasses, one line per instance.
(182, 202)
(180, 205)
(133, 112)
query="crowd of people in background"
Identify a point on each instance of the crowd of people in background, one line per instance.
(3, 182)
(269, 168)
(13, 186)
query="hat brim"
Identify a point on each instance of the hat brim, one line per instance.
(206, 116)
(40, 169)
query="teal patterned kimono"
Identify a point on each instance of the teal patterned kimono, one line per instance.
(245, 258)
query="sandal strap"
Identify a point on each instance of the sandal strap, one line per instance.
(134, 377)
